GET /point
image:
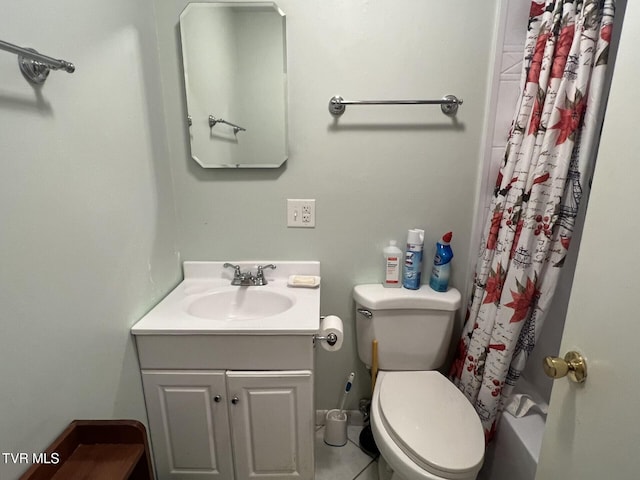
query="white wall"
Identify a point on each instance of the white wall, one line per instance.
(87, 217)
(375, 172)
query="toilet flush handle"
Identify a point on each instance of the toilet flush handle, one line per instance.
(365, 312)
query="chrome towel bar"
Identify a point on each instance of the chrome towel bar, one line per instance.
(35, 66)
(449, 104)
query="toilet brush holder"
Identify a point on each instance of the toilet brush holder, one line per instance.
(335, 429)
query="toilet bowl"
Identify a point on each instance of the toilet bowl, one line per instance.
(425, 428)
(422, 424)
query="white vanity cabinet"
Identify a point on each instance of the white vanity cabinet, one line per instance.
(189, 424)
(232, 422)
(272, 424)
(227, 371)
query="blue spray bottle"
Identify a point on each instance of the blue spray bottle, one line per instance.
(441, 271)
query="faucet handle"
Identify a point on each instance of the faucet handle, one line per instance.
(262, 267)
(239, 278)
(259, 279)
(235, 267)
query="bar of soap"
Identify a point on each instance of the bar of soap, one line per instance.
(304, 281)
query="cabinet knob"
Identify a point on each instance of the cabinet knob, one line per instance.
(217, 398)
(235, 400)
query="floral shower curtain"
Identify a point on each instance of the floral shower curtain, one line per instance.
(536, 197)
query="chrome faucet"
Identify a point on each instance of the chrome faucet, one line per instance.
(244, 279)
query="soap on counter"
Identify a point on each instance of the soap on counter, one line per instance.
(304, 281)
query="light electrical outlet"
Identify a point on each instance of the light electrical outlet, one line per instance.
(301, 213)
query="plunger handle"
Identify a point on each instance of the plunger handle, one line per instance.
(374, 364)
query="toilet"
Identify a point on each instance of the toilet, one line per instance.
(422, 424)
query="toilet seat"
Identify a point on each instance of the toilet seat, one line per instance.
(431, 422)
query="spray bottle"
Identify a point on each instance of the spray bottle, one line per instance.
(413, 259)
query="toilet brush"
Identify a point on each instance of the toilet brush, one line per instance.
(347, 389)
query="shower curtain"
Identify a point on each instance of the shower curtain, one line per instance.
(528, 231)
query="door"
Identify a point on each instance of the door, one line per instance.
(273, 424)
(188, 424)
(593, 429)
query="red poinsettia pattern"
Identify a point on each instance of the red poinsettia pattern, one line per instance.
(529, 226)
(536, 60)
(570, 118)
(523, 299)
(493, 290)
(536, 9)
(562, 51)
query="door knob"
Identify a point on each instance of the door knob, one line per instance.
(572, 365)
(235, 400)
(217, 398)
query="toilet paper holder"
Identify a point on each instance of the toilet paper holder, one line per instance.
(331, 338)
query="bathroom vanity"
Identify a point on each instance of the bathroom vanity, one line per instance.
(227, 372)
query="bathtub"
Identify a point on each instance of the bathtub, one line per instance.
(514, 452)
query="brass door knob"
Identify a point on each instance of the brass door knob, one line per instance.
(572, 365)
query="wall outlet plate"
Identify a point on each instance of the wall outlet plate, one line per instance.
(301, 213)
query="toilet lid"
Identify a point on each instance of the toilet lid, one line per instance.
(432, 422)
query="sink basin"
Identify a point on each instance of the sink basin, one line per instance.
(246, 303)
(205, 302)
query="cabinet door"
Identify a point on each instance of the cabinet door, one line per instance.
(272, 424)
(189, 424)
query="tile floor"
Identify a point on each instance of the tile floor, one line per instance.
(344, 463)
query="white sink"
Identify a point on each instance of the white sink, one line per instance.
(240, 303)
(205, 302)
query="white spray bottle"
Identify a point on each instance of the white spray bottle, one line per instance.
(413, 259)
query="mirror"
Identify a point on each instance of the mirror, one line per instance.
(235, 70)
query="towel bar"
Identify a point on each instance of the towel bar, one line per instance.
(449, 104)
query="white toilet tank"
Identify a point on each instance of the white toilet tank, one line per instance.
(413, 327)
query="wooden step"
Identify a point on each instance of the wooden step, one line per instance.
(100, 462)
(97, 450)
